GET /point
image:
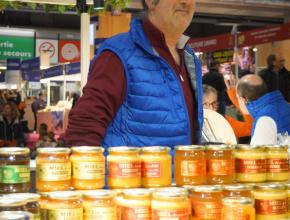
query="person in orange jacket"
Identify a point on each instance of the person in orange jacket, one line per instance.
(241, 128)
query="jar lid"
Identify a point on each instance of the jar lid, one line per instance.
(189, 147)
(137, 192)
(11, 202)
(219, 147)
(28, 197)
(237, 187)
(155, 149)
(270, 186)
(237, 201)
(278, 147)
(124, 149)
(249, 147)
(15, 215)
(14, 150)
(99, 194)
(64, 195)
(85, 149)
(53, 150)
(170, 192)
(205, 188)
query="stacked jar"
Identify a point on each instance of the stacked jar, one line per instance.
(250, 164)
(14, 170)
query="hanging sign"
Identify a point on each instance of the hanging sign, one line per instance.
(13, 64)
(49, 46)
(16, 47)
(72, 68)
(69, 51)
(53, 71)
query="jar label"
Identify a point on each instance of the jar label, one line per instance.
(151, 169)
(125, 169)
(207, 210)
(271, 207)
(88, 170)
(251, 166)
(277, 165)
(193, 167)
(178, 214)
(53, 171)
(65, 214)
(221, 167)
(236, 216)
(138, 213)
(100, 213)
(14, 174)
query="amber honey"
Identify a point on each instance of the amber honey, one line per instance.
(220, 164)
(170, 204)
(124, 167)
(237, 190)
(190, 165)
(99, 204)
(53, 169)
(156, 166)
(64, 205)
(206, 202)
(238, 208)
(88, 168)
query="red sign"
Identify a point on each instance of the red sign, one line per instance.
(247, 38)
(213, 43)
(69, 51)
(264, 35)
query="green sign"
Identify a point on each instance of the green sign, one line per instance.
(16, 47)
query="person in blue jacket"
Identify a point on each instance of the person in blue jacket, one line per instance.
(270, 110)
(160, 101)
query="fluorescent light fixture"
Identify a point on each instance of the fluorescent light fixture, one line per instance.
(3, 68)
(16, 32)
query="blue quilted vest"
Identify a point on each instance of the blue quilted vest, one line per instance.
(154, 111)
(274, 106)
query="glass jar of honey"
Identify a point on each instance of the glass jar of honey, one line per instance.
(250, 163)
(136, 204)
(206, 202)
(88, 168)
(237, 190)
(170, 204)
(270, 201)
(124, 167)
(11, 204)
(64, 205)
(31, 203)
(190, 165)
(14, 170)
(99, 204)
(15, 215)
(220, 164)
(277, 163)
(53, 169)
(43, 205)
(238, 208)
(156, 166)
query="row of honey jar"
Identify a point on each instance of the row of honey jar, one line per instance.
(83, 168)
(133, 167)
(266, 201)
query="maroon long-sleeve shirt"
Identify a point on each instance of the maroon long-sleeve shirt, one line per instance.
(105, 91)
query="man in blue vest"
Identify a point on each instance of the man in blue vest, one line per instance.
(270, 110)
(144, 86)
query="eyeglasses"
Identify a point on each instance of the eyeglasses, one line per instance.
(212, 105)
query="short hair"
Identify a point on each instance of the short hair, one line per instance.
(270, 60)
(213, 64)
(146, 7)
(206, 90)
(250, 91)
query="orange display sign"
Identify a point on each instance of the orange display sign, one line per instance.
(69, 51)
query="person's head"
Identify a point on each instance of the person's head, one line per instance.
(42, 130)
(250, 88)
(174, 15)
(209, 98)
(10, 110)
(275, 61)
(280, 62)
(214, 65)
(40, 96)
